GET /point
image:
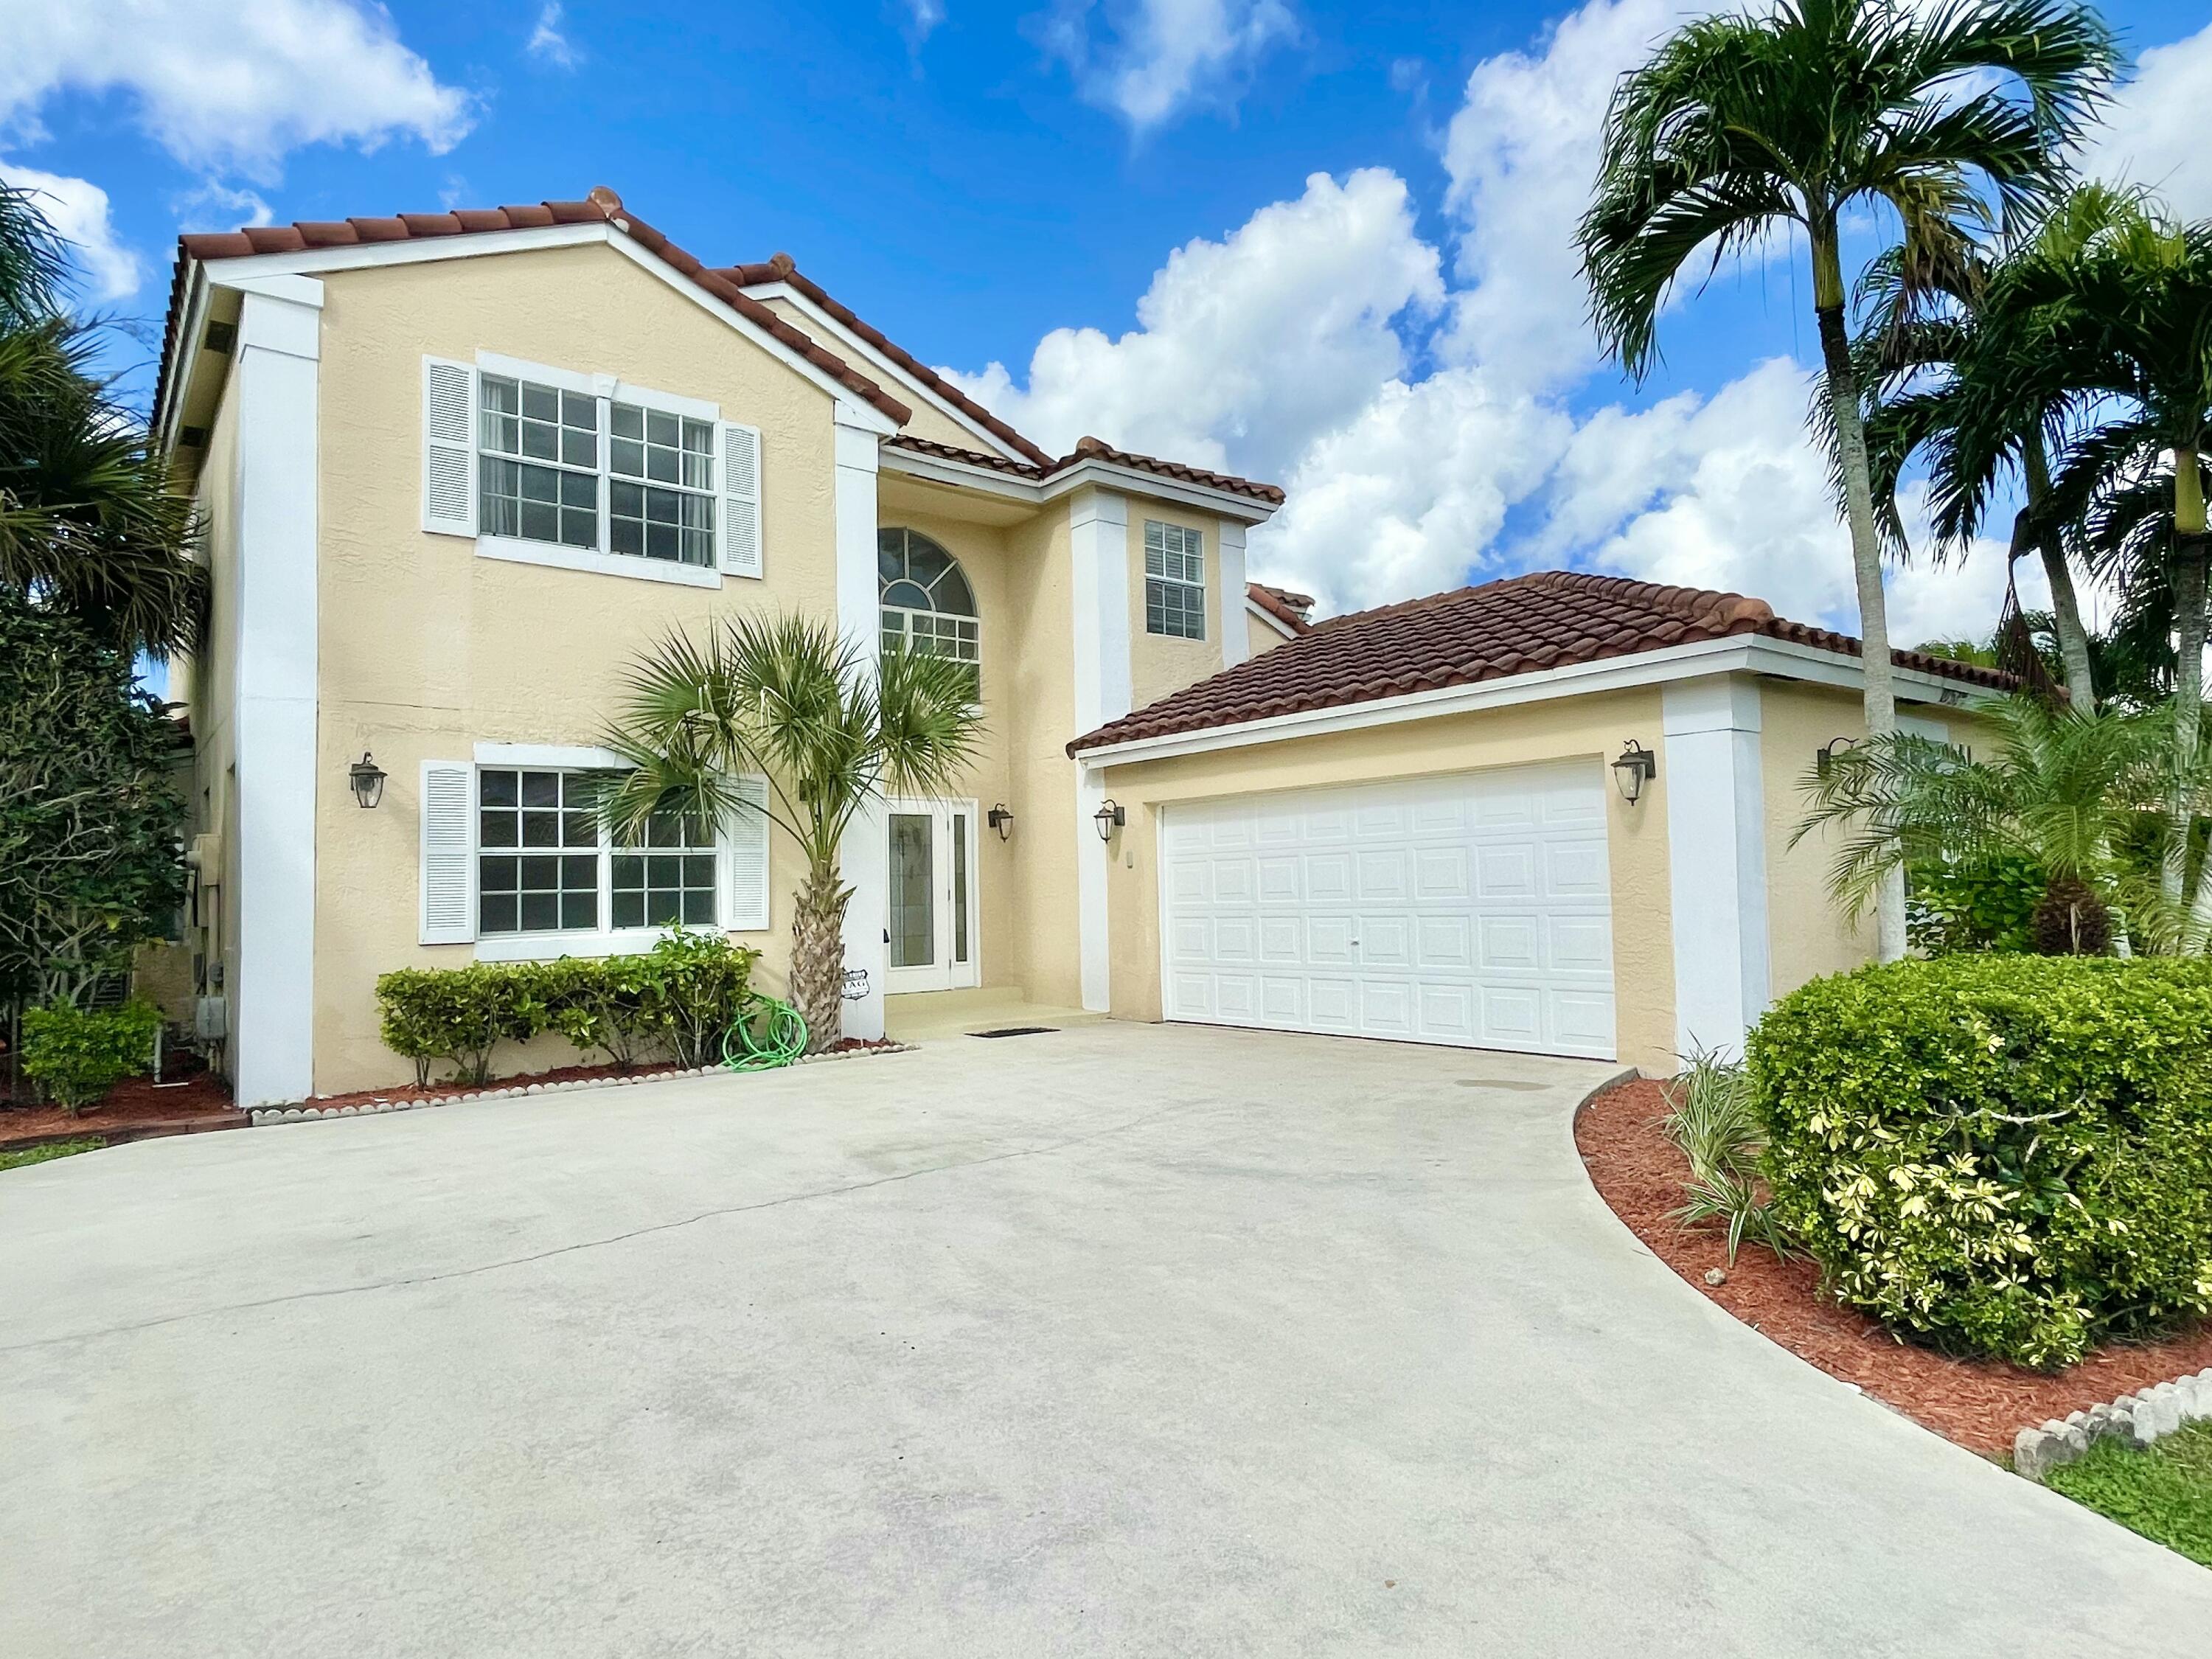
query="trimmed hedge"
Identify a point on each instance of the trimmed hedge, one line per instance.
(675, 1000)
(77, 1054)
(2009, 1156)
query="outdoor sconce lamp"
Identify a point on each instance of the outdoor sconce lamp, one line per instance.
(1000, 818)
(366, 778)
(1824, 757)
(1632, 768)
(1109, 817)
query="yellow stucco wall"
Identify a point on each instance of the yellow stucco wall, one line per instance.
(1046, 957)
(1591, 727)
(1158, 663)
(1260, 636)
(427, 648)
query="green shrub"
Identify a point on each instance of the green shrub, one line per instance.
(1978, 904)
(77, 1054)
(676, 999)
(1999, 1155)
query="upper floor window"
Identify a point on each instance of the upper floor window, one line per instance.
(1175, 581)
(927, 605)
(550, 466)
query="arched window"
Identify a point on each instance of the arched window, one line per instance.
(927, 605)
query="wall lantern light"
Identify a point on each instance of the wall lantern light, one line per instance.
(366, 778)
(1824, 757)
(1109, 817)
(1000, 818)
(1632, 768)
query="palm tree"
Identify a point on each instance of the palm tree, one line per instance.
(785, 697)
(2102, 341)
(2064, 788)
(1746, 123)
(89, 522)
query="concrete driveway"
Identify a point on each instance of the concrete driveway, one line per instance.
(1121, 1340)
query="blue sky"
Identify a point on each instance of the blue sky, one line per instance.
(1328, 245)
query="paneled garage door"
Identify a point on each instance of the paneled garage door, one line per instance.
(1469, 909)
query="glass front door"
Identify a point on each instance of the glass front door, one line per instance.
(931, 931)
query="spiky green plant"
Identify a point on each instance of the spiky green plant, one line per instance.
(785, 697)
(1755, 123)
(1710, 1117)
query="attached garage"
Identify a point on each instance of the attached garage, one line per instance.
(1473, 910)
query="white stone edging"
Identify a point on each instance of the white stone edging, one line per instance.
(2139, 1419)
(263, 1116)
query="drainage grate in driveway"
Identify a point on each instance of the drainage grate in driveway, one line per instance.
(1015, 1031)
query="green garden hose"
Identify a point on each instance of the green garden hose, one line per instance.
(767, 1034)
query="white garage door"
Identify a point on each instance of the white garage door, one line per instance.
(1470, 910)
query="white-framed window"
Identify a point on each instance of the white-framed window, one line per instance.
(514, 857)
(1175, 581)
(549, 466)
(926, 604)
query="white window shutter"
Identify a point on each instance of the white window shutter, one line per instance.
(449, 858)
(748, 844)
(449, 448)
(739, 447)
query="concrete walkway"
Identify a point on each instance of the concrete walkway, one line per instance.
(1119, 1340)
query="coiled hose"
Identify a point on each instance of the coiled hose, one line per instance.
(765, 1035)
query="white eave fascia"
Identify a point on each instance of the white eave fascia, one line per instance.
(1253, 607)
(1135, 480)
(1735, 655)
(852, 345)
(483, 244)
(964, 474)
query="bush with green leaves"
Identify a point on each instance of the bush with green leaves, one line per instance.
(1997, 1155)
(677, 1001)
(1986, 903)
(77, 1054)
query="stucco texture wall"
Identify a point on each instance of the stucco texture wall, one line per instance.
(1159, 664)
(427, 648)
(1259, 636)
(1591, 727)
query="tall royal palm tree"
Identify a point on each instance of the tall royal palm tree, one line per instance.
(90, 523)
(785, 697)
(1752, 123)
(2102, 341)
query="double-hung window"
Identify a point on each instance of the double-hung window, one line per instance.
(1175, 581)
(545, 465)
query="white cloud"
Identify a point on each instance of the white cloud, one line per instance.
(2155, 133)
(547, 44)
(216, 206)
(224, 86)
(1163, 56)
(922, 16)
(1255, 345)
(77, 210)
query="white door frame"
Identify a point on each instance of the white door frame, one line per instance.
(947, 972)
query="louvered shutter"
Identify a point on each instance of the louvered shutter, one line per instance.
(448, 864)
(748, 856)
(739, 447)
(449, 460)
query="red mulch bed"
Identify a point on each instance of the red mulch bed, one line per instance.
(135, 1109)
(1981, 1404)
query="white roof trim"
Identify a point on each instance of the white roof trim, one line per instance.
(1253, 607)
(1735, 655)
(482, 244)
(1128, 480)
(852, 345)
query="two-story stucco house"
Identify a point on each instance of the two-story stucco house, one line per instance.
(458, 468)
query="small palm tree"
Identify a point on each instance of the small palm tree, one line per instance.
(785, 697)
(1749, 123)
(2102, 341)
(2065, 788)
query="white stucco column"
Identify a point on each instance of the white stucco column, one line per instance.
(862, 857)
(1717, 859)
(1236, 632)
(1099, 540)
(272, 1000)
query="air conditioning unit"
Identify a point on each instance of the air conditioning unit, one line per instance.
(212, 1019)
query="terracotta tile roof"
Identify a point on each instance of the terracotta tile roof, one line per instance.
(1547, 619)
(1092, 449)
(603, 204)
(781, 268)
(1293, 611)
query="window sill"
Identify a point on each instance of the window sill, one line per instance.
(601, 564)
(546, 947)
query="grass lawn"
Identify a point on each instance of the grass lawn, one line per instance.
(16, 1160)
(2165, 1492)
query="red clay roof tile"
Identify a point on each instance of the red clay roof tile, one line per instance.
(1091, 449)
(1549, 618)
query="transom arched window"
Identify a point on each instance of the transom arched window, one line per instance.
(927, 605)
